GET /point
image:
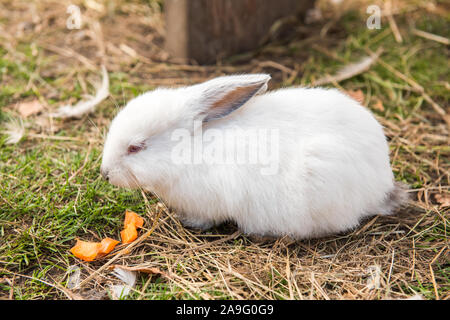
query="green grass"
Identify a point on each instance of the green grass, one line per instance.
(42, 212)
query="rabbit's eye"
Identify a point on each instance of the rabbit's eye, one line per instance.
(135, 148)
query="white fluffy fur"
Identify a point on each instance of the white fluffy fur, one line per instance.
(333, 168)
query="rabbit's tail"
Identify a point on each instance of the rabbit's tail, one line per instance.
(395, 199)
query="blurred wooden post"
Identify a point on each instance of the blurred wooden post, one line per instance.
(204, 30)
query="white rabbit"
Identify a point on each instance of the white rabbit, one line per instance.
(330, 165)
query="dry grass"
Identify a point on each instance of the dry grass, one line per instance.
(400, 255)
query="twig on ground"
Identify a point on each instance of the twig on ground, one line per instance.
(431, 36)
(392, 23)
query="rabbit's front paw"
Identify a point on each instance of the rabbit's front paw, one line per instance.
(195, 223)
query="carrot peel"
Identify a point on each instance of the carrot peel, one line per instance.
(85, 250)
(88, 251)
(131, 223)
(129, 234)
(107, 245)
(133, 218)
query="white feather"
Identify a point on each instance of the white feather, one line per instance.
(374, 279)
(128, 277)
(87, 106)
(15, 130)
(120, 291)
(348, 71)
(415, 297)
(73, 279)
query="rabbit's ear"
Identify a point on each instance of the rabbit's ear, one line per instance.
(221, 96)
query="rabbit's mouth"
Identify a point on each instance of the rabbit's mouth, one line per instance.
(123, 179)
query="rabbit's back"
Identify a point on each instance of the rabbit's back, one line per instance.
(333, 167)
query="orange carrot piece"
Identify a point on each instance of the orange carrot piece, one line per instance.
(107, 245)
(85, 250)
(133, 218)
(88, 251)
(129, 234)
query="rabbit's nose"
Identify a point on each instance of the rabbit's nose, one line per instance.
(104, 174)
